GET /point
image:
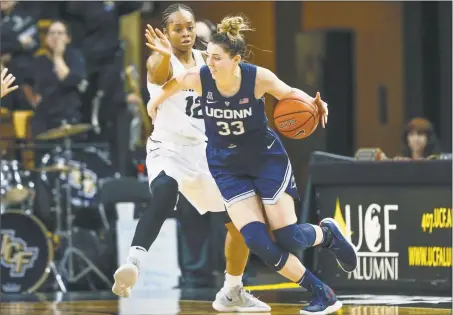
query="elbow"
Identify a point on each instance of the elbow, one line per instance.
(157, 76)
(158, 80)
(66, 76)
(71, 79)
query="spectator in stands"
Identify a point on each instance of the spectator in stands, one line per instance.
(96, 26)
(59, 77)
(420, 141)
(19, 41)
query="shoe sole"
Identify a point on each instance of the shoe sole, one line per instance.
(331, 220)
(222, 308)
(328, 310)
(125, 279)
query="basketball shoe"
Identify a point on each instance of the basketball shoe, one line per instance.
(236, 299)
(340, 246)
(125, 278)
(324, 301)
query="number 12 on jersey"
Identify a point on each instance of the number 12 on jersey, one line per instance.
(193, 107)
(235, 128)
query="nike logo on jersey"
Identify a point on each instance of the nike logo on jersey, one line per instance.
(276, 265)
(270, 146)
(210, 102)
(293, 182)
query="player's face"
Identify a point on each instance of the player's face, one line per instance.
(417, 141)
(57, 32)
(181, 30)
(220, 63)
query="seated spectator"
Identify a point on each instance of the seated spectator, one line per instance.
(420, 141)
(59, 78)
(96, 26)
(19, 39)
(19, 42)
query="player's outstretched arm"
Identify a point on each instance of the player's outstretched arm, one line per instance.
(268, 82)
(190, 80)
(158, 64)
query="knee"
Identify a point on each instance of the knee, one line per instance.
(258, 240)
(164, 185)
(295, 237)
(164, 192)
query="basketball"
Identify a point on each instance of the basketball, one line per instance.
(295, 119)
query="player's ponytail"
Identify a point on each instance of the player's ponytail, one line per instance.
(230, 35)
(233, 27)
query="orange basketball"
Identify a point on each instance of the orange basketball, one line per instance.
(295, 119)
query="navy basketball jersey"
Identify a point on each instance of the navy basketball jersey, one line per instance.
(235, 120)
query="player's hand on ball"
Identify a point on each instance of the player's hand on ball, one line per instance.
(157, 41)
(6, 82)
(323, 111)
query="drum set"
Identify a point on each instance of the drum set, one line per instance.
(30, 251)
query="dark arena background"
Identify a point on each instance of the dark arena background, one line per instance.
(74, 181)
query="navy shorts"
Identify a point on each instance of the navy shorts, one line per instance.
(244, 171)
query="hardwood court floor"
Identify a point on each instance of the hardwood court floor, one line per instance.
(195, 302)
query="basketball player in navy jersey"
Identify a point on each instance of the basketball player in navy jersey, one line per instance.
(247, 159)
(176, 162)
(6, 81)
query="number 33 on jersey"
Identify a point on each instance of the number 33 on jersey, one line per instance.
(232, 120)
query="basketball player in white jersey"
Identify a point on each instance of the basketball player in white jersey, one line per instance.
(176, 162)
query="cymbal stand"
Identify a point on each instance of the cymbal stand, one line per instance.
(53, 268)
(71, 251)
(58, 277)
(57, 200)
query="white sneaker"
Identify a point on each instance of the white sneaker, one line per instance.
(125, 278)
(238, 300)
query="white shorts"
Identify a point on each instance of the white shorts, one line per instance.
(187, 164)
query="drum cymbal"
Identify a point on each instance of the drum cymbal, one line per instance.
(63, 131)
(54, 168)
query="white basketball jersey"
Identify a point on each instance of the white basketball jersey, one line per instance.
(180, 117)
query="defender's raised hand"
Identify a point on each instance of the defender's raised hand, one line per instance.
(157, 41)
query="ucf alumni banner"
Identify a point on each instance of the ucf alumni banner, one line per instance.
(403, 236)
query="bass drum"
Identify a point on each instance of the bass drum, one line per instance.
(90, 168)
(27, 252)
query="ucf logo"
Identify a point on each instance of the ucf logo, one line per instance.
(15, 254)
(87, 184)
